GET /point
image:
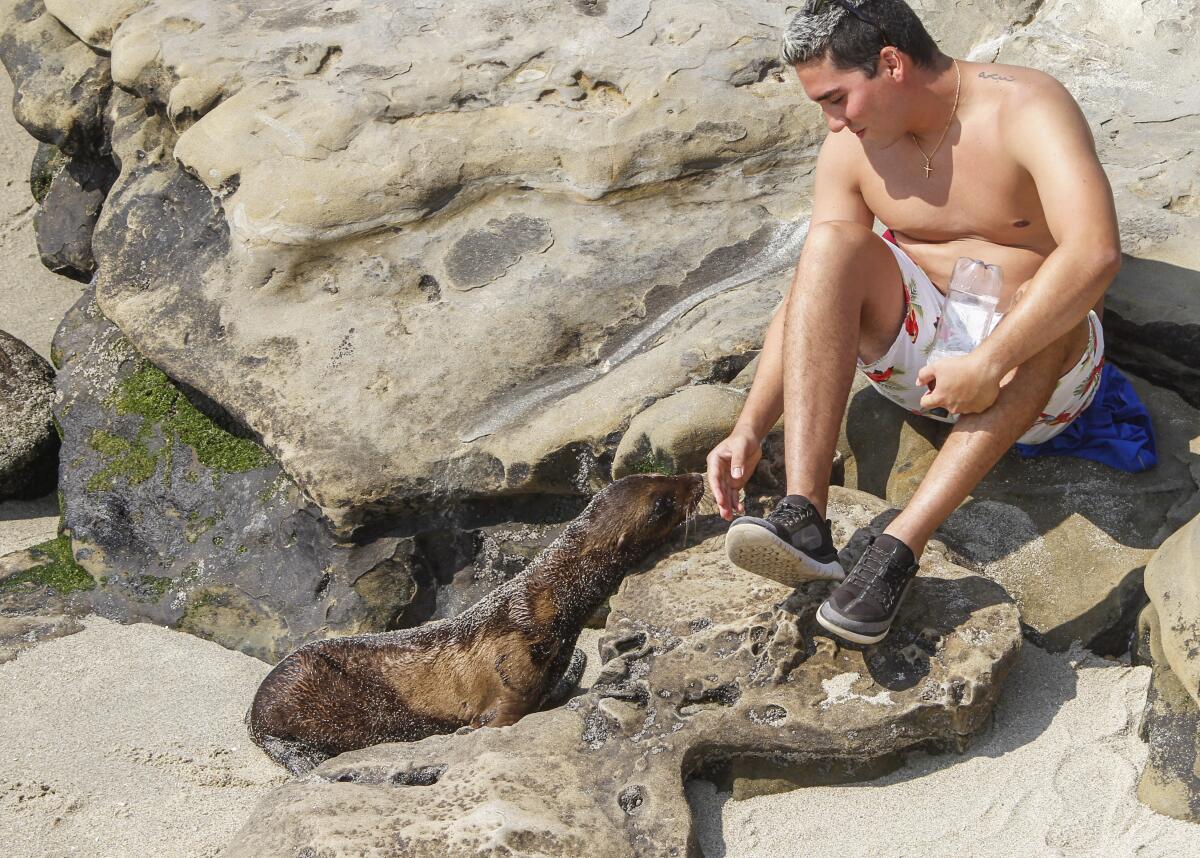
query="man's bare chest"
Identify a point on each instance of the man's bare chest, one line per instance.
(976, 191)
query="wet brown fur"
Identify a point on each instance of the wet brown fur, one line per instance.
(491, 665)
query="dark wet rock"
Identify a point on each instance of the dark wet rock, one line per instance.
(60, 85)
(1067, 538)
(67, 217)
(1152, 314)
(184, 521)
(604, 775)
(486, 558)
(482, 255)
(28, 443)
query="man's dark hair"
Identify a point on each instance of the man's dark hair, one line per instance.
(853, 32)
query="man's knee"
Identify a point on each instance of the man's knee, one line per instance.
(840, 236)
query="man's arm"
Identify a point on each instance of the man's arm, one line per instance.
(1048, 135)
(1050, 138)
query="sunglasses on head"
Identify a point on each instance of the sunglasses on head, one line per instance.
(822, 5)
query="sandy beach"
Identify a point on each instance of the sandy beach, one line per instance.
(128, 740)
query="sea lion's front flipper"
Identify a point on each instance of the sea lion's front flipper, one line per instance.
(297, 757)
(569, 681)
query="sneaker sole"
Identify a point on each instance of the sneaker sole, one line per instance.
(853, 637)
(757, 550)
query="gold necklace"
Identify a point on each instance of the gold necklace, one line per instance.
(953, 110)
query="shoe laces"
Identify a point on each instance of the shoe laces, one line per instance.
(875, 563)
(788, 515)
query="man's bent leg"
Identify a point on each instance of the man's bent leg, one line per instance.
(977, 441)
(863, 607)
(847, 302)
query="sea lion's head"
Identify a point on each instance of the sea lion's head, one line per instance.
(637, 513)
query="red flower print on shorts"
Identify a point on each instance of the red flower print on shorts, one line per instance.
(910, 324)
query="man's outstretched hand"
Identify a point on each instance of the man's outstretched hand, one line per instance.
(961, 385)
(730, 465)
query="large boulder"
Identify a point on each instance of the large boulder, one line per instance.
(727, 674)
(28, 444)
(674, 435)
(1173, 585)
(1170, 635)
(183, 523)
(1170, 781)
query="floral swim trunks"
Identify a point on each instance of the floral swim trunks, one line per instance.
(895, 374)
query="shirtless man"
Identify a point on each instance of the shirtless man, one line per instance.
(993, 162)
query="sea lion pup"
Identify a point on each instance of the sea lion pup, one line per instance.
(491, 665)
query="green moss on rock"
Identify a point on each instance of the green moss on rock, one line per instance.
(60, 573)
(653, 463)
(129, 459)
(153, 585)
(39, 183)
(149, 394)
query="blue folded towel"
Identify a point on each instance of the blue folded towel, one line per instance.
(1115, 429)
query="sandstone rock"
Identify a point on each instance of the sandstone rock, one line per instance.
(93, 22)
(68, 214)
(604, 774)
(674, 435)
(1170, 782)
(184, 524)
(1068, 538)
(28, 444)
(60, 85)
(1173, 584)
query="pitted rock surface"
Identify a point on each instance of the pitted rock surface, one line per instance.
(183, 524)
(605, 773)
(28, 443)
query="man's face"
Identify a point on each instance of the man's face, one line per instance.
(851, 100)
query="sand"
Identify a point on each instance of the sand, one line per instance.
(1054, 776)
(128, 741)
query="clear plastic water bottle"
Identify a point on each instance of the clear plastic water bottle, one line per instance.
(969, 308)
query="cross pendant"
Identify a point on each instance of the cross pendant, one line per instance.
(928, 169)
